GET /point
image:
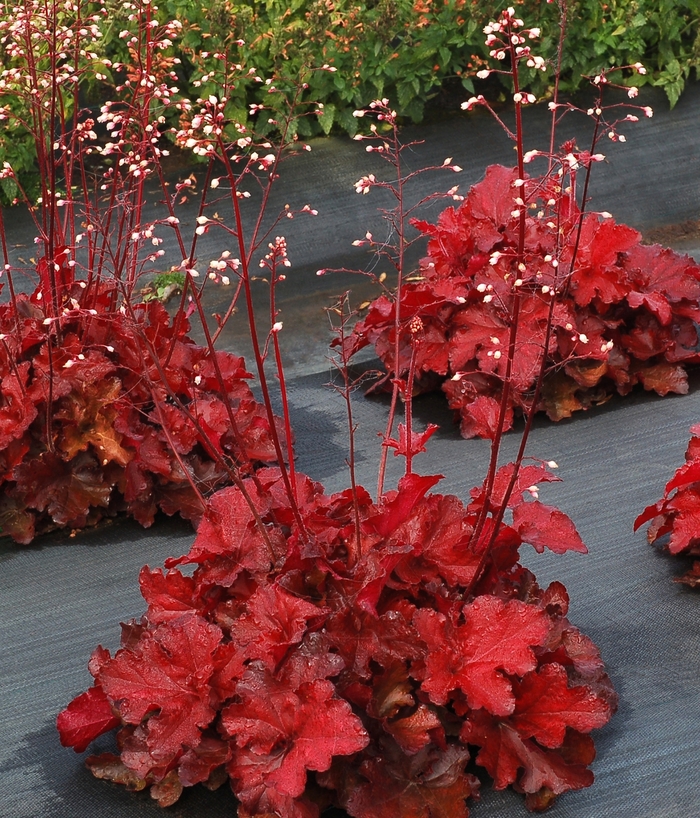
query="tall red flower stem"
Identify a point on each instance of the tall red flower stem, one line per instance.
(342, 365)
(400, 249)
(515, 314)
(286, 417)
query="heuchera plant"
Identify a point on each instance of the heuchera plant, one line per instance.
(88, 428)
(520, 263)
(675, 519)
(107, 404)
(350, 652)
(357, 651)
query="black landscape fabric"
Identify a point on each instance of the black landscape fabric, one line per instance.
(62, 596)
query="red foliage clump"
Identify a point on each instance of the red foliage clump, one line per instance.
(675, 519)
(352, 653)
(104, 410)
(611, 312)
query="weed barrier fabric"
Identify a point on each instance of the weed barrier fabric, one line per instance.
(63, 596)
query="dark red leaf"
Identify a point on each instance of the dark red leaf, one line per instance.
(546, 527)
(426, 785)
(198, 763)
(284, 733)
(546, 706)
(497, 639)
(509, 759)
(86, 717)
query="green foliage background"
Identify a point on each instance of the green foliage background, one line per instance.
(407, 50)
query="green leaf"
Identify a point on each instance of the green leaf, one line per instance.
(347, 121)
(326, 118)
(9, 188)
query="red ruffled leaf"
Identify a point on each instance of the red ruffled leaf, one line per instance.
(284, 733)
(510, 759)
(497, 639)
(546, 527)
(274, 622)
(546, 706)
(169, 595)
(229, 529)
(166, 678)
(86, 717)
(412, 488)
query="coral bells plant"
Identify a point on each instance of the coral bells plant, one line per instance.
(675, 519)
(87, 430)
(106, 403)
(369, 653)
(351, 652)
(520, 266)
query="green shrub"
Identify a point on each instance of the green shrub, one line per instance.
(404, 50)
